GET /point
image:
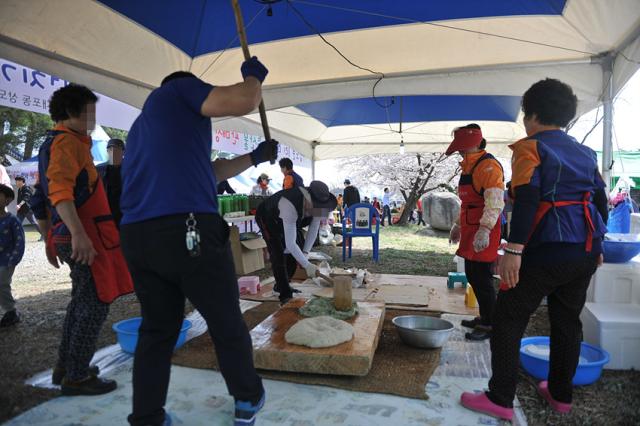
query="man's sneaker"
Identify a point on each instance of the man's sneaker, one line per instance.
(470, 323)
(89, 386)
(246, 412)
(10, 318)
(59, 373)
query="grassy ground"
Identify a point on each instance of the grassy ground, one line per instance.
(43, 293)
(408, 250)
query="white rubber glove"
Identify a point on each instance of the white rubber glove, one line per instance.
(481, 239)
(311, 270)
(454, 235)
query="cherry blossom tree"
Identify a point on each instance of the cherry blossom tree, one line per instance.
(412, 175)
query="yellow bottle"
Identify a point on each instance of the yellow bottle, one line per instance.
(470, 298)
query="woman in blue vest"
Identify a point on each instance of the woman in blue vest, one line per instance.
(555, 245)
(291, 178)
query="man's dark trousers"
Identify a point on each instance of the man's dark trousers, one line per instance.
(164, 273)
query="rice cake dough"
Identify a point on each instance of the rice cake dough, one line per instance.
(319, 332)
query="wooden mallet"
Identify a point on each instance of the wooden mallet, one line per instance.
(242, 35)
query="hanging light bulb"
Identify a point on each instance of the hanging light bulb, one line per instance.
(401, 146)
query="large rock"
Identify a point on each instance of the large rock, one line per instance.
(441, 209)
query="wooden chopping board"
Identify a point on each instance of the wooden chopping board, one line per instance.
(353, 358)
(391, 294)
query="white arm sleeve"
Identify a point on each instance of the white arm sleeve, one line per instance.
(289, 217)
(312, 234)
(493, 205)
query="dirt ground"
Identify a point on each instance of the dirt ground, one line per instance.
(43, 293)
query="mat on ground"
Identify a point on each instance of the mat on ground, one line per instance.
(397, 369)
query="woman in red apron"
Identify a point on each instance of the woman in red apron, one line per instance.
(73, 210)
(481, 190)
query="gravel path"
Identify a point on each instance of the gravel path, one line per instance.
(42, 293)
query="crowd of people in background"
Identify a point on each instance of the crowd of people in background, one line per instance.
(389, 211)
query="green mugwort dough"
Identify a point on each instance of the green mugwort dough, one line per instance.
(319, 306)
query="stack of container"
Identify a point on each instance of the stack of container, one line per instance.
(611, 316)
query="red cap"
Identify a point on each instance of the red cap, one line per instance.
(464, 139)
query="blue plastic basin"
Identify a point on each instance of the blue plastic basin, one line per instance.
(620, 251)
(127, 332)
(586, 373)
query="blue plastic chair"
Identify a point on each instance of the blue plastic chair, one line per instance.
(361, 217)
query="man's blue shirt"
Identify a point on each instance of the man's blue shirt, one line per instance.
(167, 164)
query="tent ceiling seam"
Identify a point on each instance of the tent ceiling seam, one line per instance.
(197, 37)
(431, 73)
(65, 60)
(450, 27)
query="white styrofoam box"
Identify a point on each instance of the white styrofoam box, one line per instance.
(615, 283)
(459, 261)
(635, 223)
(615, 328)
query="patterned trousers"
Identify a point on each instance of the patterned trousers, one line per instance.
(84, 319)
(565, 286)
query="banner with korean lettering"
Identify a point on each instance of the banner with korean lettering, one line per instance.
(242, 143)
(28, 89)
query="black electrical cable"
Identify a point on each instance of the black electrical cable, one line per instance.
(349, 61)
(233, 40)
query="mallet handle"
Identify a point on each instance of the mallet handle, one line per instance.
(242, 35)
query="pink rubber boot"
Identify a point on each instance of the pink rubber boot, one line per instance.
(557, 406)
(481, 403)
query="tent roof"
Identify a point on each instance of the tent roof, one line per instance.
(436, 54)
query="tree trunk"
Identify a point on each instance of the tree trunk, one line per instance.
(28, 148)
(409, 206)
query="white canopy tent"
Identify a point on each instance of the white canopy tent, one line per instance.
(432, 50)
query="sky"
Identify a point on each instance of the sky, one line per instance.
(626, 113)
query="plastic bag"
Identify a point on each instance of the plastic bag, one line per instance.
(325, 235)
(620, 218)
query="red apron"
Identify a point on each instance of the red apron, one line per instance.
(109, 269)
(545, 206)
(470, 214)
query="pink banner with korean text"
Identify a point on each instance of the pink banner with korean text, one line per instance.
(242, 143)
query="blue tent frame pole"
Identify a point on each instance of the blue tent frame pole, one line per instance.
(607, 142)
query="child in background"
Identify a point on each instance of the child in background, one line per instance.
(11, 252)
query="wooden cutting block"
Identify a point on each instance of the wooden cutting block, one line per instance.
(353, 358)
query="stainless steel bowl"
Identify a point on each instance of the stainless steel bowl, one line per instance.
(422, 331)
